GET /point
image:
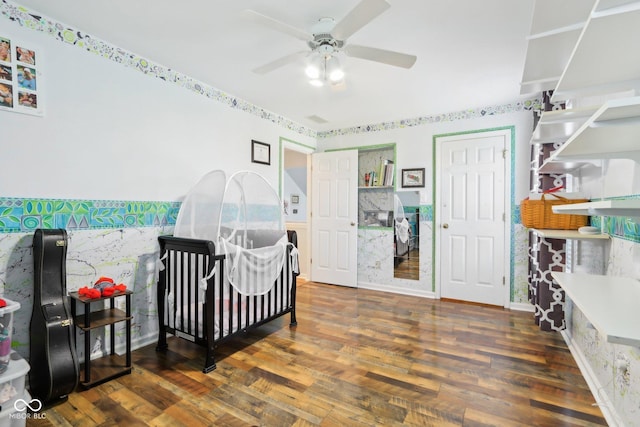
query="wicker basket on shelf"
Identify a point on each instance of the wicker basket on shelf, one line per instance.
(538, 213)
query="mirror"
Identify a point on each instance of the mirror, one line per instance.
(406, 235)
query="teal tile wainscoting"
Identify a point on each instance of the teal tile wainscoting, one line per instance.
(18, 215)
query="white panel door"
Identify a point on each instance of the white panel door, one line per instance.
(334, 217)
(472, 221)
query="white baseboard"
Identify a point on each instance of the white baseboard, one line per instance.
(137, 343)
(521, 306)
(597, 390)
(396, 290)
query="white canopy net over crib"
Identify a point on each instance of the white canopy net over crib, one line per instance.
(252, 233)
(400, 221)
(244, 217)
(199, 215)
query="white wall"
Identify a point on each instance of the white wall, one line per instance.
(111, 132)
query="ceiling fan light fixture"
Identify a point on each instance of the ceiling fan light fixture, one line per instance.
(312, 71)
(333, 70)
(336, 76)
(314, 68)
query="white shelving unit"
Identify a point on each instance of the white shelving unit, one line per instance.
(622, 207)
(559, 125)
(554, 166)
(610, 303)
(374, 197)
(611, 132)
(568, 234)
(611, 26)
(555, 29)
(602, 65)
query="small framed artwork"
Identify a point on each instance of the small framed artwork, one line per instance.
(295, 199)
(260, 152)
(413, 177)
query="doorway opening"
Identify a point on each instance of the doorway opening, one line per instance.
(295, 174)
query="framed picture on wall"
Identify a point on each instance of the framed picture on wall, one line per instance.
(20, 78)
(260, 152)
(412, 178)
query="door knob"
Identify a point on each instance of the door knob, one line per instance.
(445, 225)
(353, 223)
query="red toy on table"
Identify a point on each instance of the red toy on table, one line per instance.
(104, 287)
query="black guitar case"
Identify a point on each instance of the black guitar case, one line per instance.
(54, 369)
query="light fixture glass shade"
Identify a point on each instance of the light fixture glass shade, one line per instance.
(336, 75)
(312, 71)
(314, 68)
(324, 68)
(332, 69)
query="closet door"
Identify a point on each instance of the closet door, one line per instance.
(472, 217)
(334, 218)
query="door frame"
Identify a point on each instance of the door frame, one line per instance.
(289, 144)
(509, 179)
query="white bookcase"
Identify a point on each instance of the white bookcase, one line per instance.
(586, 52)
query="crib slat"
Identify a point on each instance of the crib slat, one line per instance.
(221, 300)
(230, 309)
(177, 262)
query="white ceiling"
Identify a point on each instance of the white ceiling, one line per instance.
(470, 52)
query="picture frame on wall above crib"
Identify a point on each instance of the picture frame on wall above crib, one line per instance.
(413, 178)
(260, 152)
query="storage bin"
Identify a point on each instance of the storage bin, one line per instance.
(12, 382)
(11, 417)
(6, 329)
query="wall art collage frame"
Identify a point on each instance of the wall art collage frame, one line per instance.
(20, 77)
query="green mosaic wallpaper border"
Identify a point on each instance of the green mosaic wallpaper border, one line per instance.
(621, 227)
(19, 215)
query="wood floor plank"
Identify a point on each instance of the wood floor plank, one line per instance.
(356, 358)
(134, 403)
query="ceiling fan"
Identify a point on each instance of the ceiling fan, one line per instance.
(328, 38)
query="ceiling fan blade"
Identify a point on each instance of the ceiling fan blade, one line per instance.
(280, 62)
(278, 25)
(359, 16)
(380, 55)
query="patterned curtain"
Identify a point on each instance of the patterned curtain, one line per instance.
(545, 255)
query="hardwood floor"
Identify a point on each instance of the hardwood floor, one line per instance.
(408, 267)
(356, 358)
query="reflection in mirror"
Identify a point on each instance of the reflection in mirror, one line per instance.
(406, 235)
